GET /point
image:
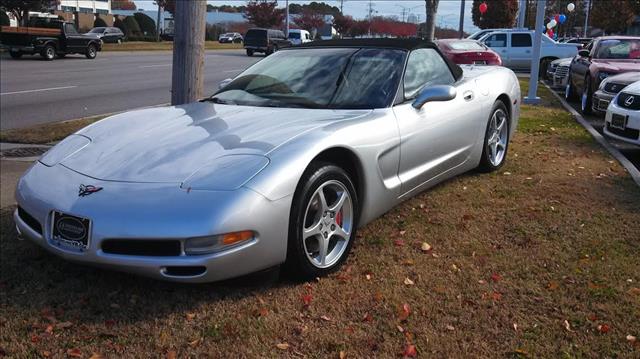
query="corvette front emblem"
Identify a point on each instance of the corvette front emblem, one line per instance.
(86, 190)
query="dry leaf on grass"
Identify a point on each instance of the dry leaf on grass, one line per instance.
(171, 354)
(404, 312)
(496, 277)
(567, 326)
(96, 356)
(410, 351)
(408, 281)
(603, 328)
(282, 346)
(306, 299)
(425, 247)
(190, 316)
(74, 353)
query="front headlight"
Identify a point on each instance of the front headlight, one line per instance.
(226, 173)
(65, 149)
(212, 244)
(602, 75)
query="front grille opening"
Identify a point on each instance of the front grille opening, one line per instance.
(627, 133)
(30, 220)
(185, 271)
(139, 247)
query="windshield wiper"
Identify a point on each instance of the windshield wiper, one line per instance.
(217, 100)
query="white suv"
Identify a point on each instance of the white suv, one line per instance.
(515, 48)
(622, 121)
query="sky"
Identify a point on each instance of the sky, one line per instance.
(448, 10)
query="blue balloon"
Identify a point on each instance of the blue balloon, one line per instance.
(562, 18)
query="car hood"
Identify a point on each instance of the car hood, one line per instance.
(168, 144)
(625, 78)
(616, 65)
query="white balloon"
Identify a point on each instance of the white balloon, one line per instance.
(551, 24)
(571, 7)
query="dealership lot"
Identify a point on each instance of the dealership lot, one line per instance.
(34, 92)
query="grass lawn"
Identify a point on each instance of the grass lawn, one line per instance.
(47, 133)
(164, 45)
(539, 260)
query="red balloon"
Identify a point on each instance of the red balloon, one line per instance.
(557, 17)
(483, 8)
(550, 33)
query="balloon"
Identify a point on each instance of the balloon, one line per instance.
(563, 18)
(557, 18)
(571, 7)
(551, 24)
(550, 33)
(483, 8)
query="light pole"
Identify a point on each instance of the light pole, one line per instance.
(586, 19)
(461, 26)
(532, 97)
(286, 21)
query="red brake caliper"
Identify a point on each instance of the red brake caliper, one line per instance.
(339, 218)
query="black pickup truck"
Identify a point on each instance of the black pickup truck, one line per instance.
(48, 39)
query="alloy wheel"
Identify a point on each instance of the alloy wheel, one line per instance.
(328, 223)
(498, 137)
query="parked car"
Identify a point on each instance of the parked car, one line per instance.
(584, 41)
(107, 34)
(605, 56)
(480, 34)
(281, 165)
(59, 38)
(468, 52)
(622, 120)
(266, 41)
(515, 47)
(230, 37)
(558, 72)
(299, 37)
(610, 87)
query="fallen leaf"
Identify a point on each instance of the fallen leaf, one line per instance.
(410, 351)
(635, 291)
(521, 352)
(74, 353)
(35, 338)
(306, 299)
(631, 338)
(398, 243)
(400, 329)
(325, 318)
(450, 327)
(402, 233)
(404, 312)
(496, 296)
(592, 317)
(407, 262)
(343, 354)
(282, 346)
(49, 329)
(603, 328)
(190, 316)
(515, 327)
(368, 276)
(425, 247)
(263, 312)
(171, 354)
(194, 342)
(496, 277)
(367, 317)
(553, 285)
(481, 281)
(64, 325)
(408, 281)
(567, 326)
(96, 356)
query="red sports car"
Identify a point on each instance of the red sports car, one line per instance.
(468, 52)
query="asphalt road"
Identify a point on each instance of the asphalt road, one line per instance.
(33, 91)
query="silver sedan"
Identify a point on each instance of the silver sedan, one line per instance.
(280, 166)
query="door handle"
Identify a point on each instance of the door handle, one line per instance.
(468, 95)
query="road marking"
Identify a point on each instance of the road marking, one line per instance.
(37, 90)
(149, 66)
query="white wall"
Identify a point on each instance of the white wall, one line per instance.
(88, 4)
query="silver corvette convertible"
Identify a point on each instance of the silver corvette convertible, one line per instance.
(280, 166)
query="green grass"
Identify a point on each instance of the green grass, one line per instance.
(551, 238)
(163, 46)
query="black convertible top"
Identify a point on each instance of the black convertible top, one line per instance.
(401, 44)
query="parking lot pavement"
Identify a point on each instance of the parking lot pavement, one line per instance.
(33, 91)
(631, 152)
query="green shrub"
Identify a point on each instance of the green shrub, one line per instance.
(120, 25)
(4, 19)
(147, 25)
(132, 27)
(99, 22)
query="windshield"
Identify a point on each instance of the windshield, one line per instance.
(336, 78)
(618, 49)
(294, 35)
(97, 30)
(465, 45)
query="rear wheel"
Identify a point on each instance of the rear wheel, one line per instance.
(587, 97)
(61, 55)
(48, 52)
(15, 54)
(92, 52)
(322, 223)
(249, 52)
(496, 139)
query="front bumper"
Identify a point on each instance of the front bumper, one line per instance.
(631, 132)
(559, 81)
(601, 100)
(155, 211)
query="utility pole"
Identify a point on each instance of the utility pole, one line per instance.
(286, 21)
(532, 97)
(522, 10)
(341, 6)
(461, 26)
(158, 22)
(187, 80)
(586, 19)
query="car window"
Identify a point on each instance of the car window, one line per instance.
(69, 29)
(425, 67)
(496, 40)
(618, 49)
(520, 40)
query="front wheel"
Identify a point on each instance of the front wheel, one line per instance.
(48, 53)
(15, 54)
(249, 52)
(496, 139)
(586, 99)
(92, 52)
(322, 223)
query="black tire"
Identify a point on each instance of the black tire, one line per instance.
(92, 52)
(269, 51)
(48, 53)
(486, 163)
(544, 65)
(586, 99)
(570, 90)
(298, 263)
(249, 52)
(61, 55)
(15, 54)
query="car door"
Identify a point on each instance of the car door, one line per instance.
(579, 67)
(74, 41)
(498, 43)
(439, 136)
(520, 50)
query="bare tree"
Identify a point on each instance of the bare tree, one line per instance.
(430, 23)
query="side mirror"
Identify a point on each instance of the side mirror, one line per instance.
(584, 53)
(434, 93)
(224, 83)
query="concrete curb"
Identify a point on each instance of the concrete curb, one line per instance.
(631, 169)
